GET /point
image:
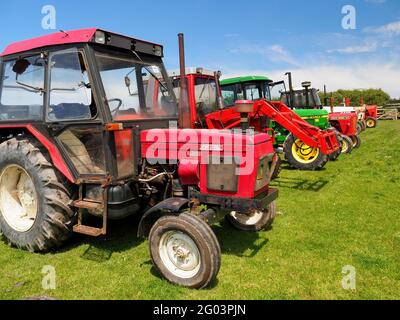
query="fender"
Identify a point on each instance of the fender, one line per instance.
(167, 207)
(54, 153)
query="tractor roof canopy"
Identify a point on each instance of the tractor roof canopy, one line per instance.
(91, 35)
(244, 79)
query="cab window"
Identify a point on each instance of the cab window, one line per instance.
(22, 89)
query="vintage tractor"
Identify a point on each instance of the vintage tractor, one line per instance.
(306, 147)
(83, 141)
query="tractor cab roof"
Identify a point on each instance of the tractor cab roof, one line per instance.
(91, 35)
(244, 79)
(192, 70)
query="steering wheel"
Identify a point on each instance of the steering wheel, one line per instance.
(115, 111)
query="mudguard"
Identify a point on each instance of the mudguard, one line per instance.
(171, 206)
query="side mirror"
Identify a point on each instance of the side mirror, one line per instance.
(127, 81)
(20, 66)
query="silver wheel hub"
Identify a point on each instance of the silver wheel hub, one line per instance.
(18, 199)
(180, 254)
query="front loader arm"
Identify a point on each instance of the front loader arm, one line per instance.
(277, 111)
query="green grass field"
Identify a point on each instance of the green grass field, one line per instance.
(347, 214)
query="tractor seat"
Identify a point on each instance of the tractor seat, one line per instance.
(70, 111)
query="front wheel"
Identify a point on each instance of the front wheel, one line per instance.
(301, 156)
(254, 221)
(371, 123)
(347, 145)
(185, 250)
(356, 141)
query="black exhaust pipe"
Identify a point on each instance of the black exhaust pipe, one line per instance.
(184, 118)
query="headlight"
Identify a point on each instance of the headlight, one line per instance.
(100, 37)
(158, 51)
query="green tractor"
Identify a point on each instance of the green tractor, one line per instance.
(298, 154)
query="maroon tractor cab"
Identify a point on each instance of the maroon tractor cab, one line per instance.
(85, 140)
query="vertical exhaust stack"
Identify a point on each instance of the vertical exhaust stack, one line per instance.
(184, 119)
(291, 89)
(325, 96)
(331, 103)
(220, 101)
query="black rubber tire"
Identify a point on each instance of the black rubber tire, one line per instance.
(317, 164)
(346, 140)
(278, 168)
(359, 128)
(54, 220)
(264, 223)
(356, 140)
(335, 155)
(369, 122)
(205, 240)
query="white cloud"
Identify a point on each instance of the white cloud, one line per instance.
(366, 48)
(384, 75)
(392, 28)
(275, 53)
(376, 1)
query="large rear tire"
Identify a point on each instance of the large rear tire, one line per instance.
(254, 221)
(185, 250)
(34, 212)
(301, 156)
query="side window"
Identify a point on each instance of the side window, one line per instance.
(70, 88)
(228, 94)
(205, 91)
(22, 87)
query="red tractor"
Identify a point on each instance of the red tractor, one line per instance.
(82, 135)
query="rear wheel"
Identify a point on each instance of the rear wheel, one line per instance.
(356, 141)
(34, 212)
(277, 169)
(253, 221)
(371, 123)
(347, 145)
(301, 156)
(185, 250)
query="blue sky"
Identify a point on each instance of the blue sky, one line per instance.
(244, 36)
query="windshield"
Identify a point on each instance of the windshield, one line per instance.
(129, 84)
(300, 99)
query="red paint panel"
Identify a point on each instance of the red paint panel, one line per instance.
(55, 155)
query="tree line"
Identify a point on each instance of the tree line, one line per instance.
(368, 96)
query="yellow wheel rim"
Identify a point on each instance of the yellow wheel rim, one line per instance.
(370, 123)
(345, 146)
(304, 153)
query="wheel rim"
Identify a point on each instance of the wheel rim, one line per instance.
(18, 198)
(304, 153)
(180, 254)
(370, 123)
(354, 141)
(345, 146)
(248, 220)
